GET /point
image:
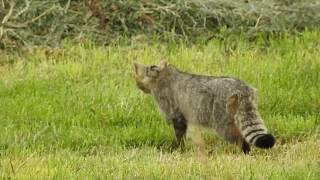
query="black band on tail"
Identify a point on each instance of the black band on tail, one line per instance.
(265, 141)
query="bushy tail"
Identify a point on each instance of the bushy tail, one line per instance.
(251, 125)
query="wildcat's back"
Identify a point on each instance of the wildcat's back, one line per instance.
(225, 104)
(203, 99)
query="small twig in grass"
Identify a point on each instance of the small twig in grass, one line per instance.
(43, 14)
(7, 17)
(17, 36)
(258, 21)
(26, 23)
(23, 10)
(14, 26)
(67, 6)
(35, 137)
(12, 168)
(24, 162)
(1, 32)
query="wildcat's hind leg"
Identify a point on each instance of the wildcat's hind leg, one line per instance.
(245, 147)
(232, 134)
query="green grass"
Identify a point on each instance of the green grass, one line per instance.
(75, 112)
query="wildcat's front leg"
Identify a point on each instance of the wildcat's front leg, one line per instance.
(180, 128)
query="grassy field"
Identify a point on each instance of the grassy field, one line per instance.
(75, 112)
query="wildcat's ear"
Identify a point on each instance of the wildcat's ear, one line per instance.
(137, 67)
(163, 63)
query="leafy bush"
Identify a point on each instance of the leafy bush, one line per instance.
(44, 22)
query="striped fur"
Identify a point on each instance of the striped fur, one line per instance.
(223, 104)
(251, 124)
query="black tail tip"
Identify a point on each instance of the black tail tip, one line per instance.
(266, 141)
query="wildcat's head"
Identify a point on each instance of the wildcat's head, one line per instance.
(147, 76)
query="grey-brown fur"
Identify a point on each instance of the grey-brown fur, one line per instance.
(227, 105)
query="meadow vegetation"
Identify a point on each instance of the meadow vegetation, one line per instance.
(75, 112)
(47, 22)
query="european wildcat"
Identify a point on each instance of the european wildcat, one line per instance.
(227, 105)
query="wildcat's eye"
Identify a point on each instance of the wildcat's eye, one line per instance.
(152, 71)
(153, 67)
